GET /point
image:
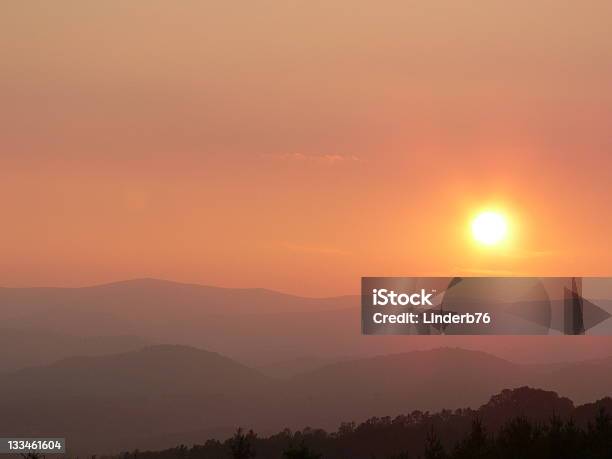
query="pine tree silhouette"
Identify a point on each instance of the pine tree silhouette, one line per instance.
(600, 435)
(521, 439)
(300, 452)
(241, 446)
(476, 445)
(433, 446)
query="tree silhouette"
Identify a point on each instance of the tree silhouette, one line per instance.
(241, 445)
(583, 432)
(520, 439)
(572, 440)
(433, 446)
(600, 435)
(476, 445)
(300, 452)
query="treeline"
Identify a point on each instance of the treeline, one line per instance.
(520, 424)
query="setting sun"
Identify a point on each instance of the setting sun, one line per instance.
(489, 228)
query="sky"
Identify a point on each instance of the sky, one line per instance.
(301, 145)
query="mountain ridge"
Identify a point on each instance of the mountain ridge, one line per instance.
(152, 281)
(164, 389)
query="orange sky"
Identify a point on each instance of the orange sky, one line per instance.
(301, 145)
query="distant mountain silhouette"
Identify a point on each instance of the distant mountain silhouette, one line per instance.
(581, 381)
(445, 378)
(24, 348)
(159, 389)
(255, 326)
(175, 392)
(154, 296)
(300, 365)
(153, 371)
(388, 385)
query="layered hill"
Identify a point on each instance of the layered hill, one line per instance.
(284, 333)
(104, 402)
(179, 393)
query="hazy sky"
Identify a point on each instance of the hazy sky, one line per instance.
(298, 145)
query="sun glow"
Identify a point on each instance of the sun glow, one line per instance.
(489, 228)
